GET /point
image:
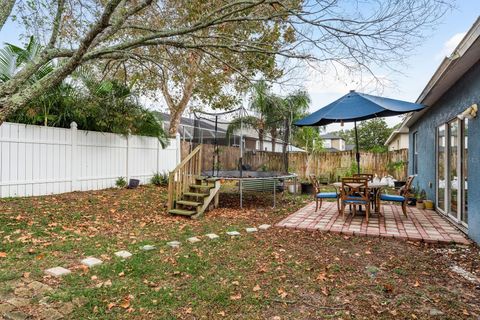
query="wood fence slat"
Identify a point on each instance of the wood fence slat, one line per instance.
(333, 164)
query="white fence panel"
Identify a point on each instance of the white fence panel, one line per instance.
(36, 160)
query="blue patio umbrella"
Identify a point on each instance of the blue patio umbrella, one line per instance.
(356, 106)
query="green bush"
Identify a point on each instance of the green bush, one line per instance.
(159, 179)
(121, 182)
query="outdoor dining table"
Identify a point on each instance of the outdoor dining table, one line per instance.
(376, 187)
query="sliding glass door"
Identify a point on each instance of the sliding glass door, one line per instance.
(441, 160)
(464, 215)
(453, 176)
(452, 155)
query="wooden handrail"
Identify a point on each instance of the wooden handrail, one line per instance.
(184, 175)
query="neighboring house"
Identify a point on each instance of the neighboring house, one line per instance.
(203, 131)
(444, 137)
(332, 142)
(398, 139)
(349, 147)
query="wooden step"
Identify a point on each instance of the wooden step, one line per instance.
(182, 212)
(189, 203)
(207, 179)
(201, 186)
(195, 194)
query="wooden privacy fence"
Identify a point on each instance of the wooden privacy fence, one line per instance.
(332, 164)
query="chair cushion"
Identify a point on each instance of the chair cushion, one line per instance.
(327, 195)
(391, 197)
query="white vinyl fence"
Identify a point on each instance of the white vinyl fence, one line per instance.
(36, 160)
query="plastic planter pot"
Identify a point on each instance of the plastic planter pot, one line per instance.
(133, 183)
(399, 184)
(291, 188)
(428, 204)
(307, 188)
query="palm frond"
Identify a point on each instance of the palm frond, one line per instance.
(8, 63)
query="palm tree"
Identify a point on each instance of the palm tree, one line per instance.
(264, 104)
(13, 59)
(296, 105)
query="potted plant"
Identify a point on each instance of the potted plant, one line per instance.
(420, 200)
(395, 167)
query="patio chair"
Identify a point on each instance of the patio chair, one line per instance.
(355, 192)
(319, 196)
(402, 197)
(369, 177)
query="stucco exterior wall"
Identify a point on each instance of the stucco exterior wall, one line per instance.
(462, 95)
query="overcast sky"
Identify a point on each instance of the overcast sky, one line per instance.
(421, 66)
(329, 86)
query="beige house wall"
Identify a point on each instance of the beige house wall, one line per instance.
(400, 142)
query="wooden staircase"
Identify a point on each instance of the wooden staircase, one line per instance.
(190, 194)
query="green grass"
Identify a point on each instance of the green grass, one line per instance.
(212, 278)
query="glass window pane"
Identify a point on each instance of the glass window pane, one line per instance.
(415, 153)
(441, 167)
(465, 171)
(452, 161)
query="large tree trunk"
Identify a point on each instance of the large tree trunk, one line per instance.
(273, 135)
(14, 99)
(261, 134)
(5, 11)
(177, 108)
(175, 116)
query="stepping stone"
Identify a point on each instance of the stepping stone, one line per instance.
(212, 236)
(436, 312)
(123, 254)
(250, 230)
(57, 271)
(147, 247)
(91, 262)
(264, 226)
(173, 244)
(233, 233)
(193, 240)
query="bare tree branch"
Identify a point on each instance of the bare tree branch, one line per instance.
(5, 11)
(237, 39)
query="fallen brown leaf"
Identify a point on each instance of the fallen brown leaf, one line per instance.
(236, 296)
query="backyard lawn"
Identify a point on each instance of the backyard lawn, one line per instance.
(270, 274)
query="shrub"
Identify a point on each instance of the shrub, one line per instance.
(159, 179)
(121, 182)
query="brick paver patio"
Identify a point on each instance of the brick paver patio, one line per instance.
(421, 225)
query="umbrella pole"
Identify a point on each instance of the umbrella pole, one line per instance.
(357, 155)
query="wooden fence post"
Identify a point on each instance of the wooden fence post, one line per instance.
(127, 167)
